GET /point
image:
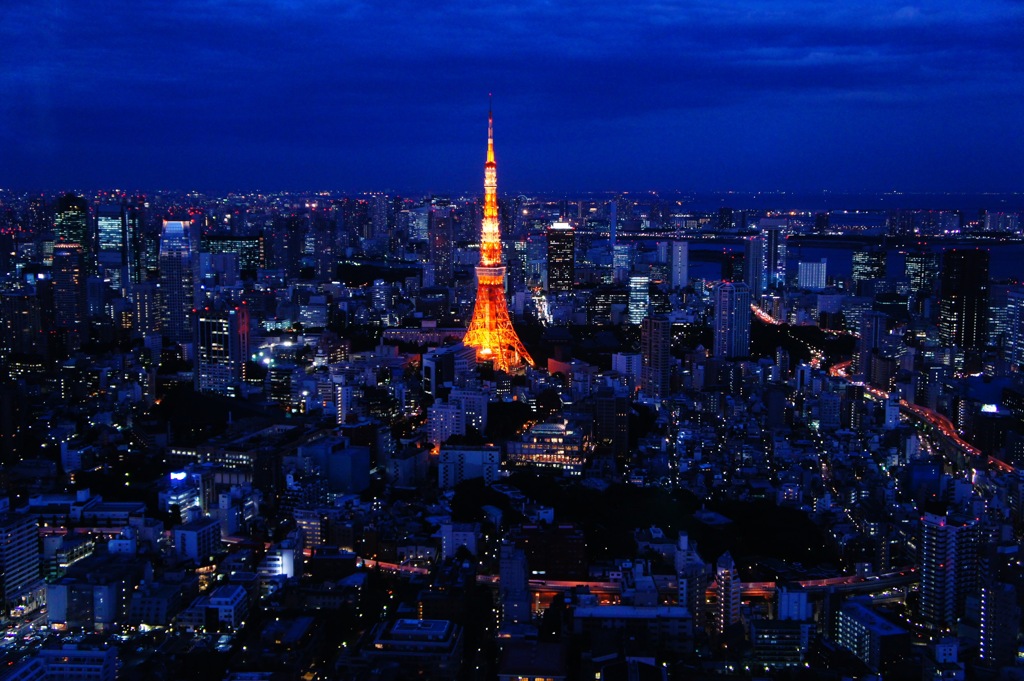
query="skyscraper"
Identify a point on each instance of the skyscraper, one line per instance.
(868, 271)
(222, 347)
(69, 311)
(1014, 344)
(872, 329)
(442, 244)
(963, 304)
(774, 251)
(680, 264)
(490, 330)
(71, 224)
(753, 265)
(561, 257)
(921, 269)
(613, 222)
(639, 297)
(115, 244)
(812, 276)
(177, 278)
(732, 320)
(656, 354)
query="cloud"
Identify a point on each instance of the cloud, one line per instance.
(347, 82)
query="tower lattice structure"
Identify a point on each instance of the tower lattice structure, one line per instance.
(490, 330)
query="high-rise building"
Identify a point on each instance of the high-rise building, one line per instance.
(732, 320)
(774, 230)
(812, 276)
(727, 592)
(21, 326)
(999, 624)
(725, 219)
(116, 232)
(868, 271)
(963, 304)
(639, 297)
(613, 222)
(145, 298)
(19, 555)
(490, 330)
(71, 226)
(1014, 342)
(938, 571)
(872, 329)
(249, 249)
(222, 347)
(515, 587)
(177, 278)
(680, 264)
(561, 257)
(753, 265)
(69, 309)
(442, 244)
(656, 353)
(921, 269)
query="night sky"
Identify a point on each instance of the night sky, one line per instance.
(589, 95)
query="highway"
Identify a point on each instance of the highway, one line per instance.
(927, 416)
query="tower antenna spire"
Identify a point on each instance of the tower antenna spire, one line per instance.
(490, 329)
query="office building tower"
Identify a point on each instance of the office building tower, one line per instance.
(922, 271)
(490, 330)
(812, 276)
(613, 222)
(656, 353)
(867, 273)
(442, 244)
(725, 219)
(872, 330)
(753, 265)
(69, 308)
(561, 257)
(249, 249)
(19, 555)
(177, 278)
(222, 348)
(111, 241)
(145, 299)
(639, 297)
(680, 264)
(727, 593)
(963, 301)
(774, 230)
(71, 227)
(732, 320)
(1014, 341)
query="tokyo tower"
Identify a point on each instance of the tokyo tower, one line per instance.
(490, 330)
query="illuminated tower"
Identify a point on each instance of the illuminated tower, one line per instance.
(490, 330)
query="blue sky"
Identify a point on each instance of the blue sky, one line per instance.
(796, 95)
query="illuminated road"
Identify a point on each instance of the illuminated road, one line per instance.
(817, 356)
(925, 415)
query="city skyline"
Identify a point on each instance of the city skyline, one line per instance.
(687, 97)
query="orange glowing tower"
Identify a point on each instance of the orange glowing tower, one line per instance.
(490, 330)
